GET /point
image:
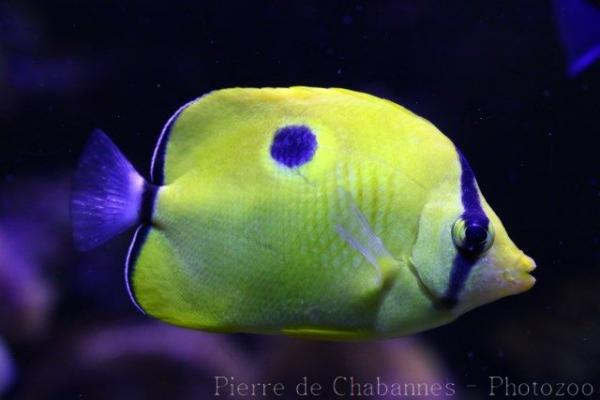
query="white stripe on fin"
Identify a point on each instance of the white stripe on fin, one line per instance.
(128, 267)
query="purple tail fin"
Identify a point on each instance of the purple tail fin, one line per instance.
(107, 193)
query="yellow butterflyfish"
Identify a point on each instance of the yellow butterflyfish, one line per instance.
(322, 213)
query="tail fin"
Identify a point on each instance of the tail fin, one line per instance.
(107, 193)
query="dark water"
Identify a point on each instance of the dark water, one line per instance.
(496, 77)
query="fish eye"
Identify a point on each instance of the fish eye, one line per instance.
(472, 236)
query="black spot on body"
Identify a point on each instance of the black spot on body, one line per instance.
(293, 145)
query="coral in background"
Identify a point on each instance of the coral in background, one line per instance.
(6, 368)
(355, 365)
(148, 360)
(33, 247)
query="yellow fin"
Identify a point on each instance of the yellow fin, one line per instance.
(325, 333)
(355, 229)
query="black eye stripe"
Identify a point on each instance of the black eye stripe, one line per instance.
(473, 214)
(476, 236)
(476, 233)
(472, 237)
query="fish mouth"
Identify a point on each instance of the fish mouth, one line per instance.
(519, 274)
(526, 263)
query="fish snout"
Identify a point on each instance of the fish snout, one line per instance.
(518, 273)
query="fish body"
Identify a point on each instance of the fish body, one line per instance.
(312, 212)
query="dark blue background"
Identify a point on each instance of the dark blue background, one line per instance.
(490, 74)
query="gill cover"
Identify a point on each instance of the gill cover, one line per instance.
(463, 253)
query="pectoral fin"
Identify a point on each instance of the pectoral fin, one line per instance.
(354, 228)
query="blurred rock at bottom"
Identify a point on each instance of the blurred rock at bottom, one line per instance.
(399, 368)
(6, 368)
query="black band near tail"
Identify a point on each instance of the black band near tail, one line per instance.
(146, 211)
(132, 256)
(148, 202)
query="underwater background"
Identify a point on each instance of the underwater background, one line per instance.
(516, 85)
